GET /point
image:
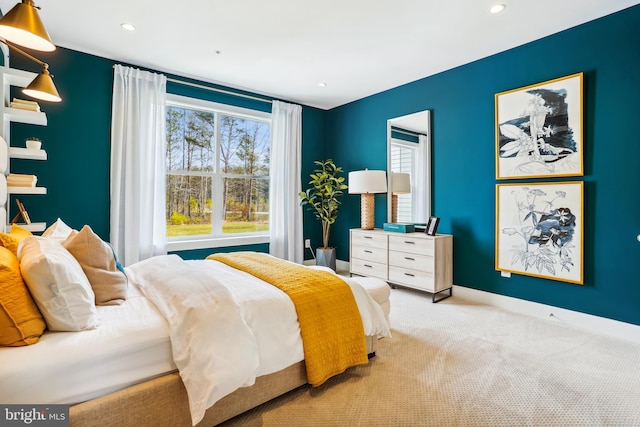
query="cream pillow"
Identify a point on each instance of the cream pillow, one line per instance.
(57, 231)
(58, 285)
(20, 321)
(12, 240)
(98, 261)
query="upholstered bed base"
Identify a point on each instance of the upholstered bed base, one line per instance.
(163, 401)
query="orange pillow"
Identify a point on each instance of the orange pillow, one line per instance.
(20, 320)
(12, 240)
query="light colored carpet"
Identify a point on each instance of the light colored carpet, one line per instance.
(456, 363)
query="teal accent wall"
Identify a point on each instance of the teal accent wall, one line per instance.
(203, 253)
(398, 133)
(315, 146)
(462, 103)
(77, 141)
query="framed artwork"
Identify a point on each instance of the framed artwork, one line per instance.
(432, 225)
(539, 130)
(539, 230)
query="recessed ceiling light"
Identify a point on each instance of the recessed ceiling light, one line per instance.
(322, 84)
(497, 8)
(127, 26)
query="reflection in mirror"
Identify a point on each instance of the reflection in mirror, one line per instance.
(409, 152)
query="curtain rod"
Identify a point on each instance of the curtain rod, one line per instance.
(241, 95)
(214, 89)
(406, 132)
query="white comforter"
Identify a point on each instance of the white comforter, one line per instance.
(223, 334)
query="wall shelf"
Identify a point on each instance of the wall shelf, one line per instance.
(33, 227)
(25, 153)
(15, 77)
(26, 190)
(25, 116)
(19, 78)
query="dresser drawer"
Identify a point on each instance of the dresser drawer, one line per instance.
(412, 261)
(412, 278)
(415, 245)
(369, 268)
(371, 239)
(369, 253)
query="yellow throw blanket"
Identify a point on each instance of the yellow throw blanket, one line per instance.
(330, 323)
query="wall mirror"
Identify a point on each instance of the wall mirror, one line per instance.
(409, 168)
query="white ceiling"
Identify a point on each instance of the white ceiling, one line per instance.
(284, 48)
(417, 122)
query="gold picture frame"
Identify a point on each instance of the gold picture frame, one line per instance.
(539, 130)
(540, 230)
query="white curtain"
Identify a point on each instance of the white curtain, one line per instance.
(421, 191)
(285, 212)
(138, 228)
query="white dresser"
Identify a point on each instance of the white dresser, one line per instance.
(414, 260)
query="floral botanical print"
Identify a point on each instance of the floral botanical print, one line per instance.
(540, 230)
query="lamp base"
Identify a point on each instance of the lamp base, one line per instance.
(394, 208)
(367, 205)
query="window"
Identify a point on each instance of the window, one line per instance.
(403, 155)
(217, 174)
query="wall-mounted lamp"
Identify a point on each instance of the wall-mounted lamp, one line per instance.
(22, 26)
(367, 183)
(42, 86)
(400, 184)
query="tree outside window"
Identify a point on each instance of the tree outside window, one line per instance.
(217, 173)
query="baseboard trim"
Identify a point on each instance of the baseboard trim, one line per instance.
(340, 265)
(589, 322)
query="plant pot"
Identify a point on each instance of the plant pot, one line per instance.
(326, 257)
(33, 144)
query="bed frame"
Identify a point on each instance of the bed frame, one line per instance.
(162, 401)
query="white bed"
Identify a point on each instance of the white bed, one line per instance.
(132, 345)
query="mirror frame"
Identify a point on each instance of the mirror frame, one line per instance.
(425, 129)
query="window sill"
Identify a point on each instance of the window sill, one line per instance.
(219, 242)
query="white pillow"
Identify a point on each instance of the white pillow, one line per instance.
(57, 231)
(58, 285)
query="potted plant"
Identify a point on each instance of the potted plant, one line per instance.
(33, 143)
(322, 199)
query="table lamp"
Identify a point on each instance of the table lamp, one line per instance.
(400, 184)
(367, 183)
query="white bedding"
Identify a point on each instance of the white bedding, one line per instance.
(220, 350)
(214, 347)
(133, 345)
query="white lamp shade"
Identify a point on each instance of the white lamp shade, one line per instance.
(367, 181)
(400, 183)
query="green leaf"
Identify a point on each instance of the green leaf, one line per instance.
(322, 196)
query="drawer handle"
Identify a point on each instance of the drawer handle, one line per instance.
(369, 252)
(368, 237)
(367, 265)
(409, 274)
(410, 243)
(409, 258)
